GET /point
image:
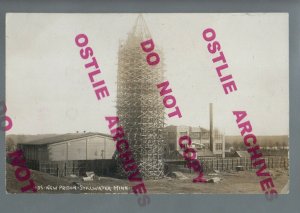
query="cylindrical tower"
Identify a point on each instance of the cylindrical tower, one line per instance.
(139, 105)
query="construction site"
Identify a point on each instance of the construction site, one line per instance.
(139, 105)
(90, 159)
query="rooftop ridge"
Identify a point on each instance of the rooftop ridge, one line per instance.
(63, 137)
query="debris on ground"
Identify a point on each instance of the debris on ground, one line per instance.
(214, 180)
(240, 168)
(199, 179)
(87, 178)
(212, 174)
(90, 176)
(75, 184)
(178, 175)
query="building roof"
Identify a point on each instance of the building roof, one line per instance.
(203, 129)
(204, 153)
(242, 154)
(64, 137)
(200, 153)
(186, 127)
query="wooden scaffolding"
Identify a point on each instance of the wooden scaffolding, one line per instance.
(139, 105)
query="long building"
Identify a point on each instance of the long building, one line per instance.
(77, 146)
(73, 153)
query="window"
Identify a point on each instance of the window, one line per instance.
(195, 135)
(182, 133)
(205, 135)
(219, 146)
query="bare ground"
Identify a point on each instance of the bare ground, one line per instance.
(243, 182)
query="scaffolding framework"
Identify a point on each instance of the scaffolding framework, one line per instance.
(139, 105)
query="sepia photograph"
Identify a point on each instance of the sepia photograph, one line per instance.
(152, 103)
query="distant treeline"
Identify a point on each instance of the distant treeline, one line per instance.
(25, 138)
(279, 141)
(12, 140)
(230, 141)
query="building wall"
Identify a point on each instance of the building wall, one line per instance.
(199, 136)
(34, 152)
(219, 145)
(88, 148)
(57, 151)
(98, 147)
(171, 137)
(181, 131)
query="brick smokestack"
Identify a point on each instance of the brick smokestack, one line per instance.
(211, 127)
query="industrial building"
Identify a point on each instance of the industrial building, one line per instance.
(72, 153)
(208, 143)
(200, 140)
(77, 146)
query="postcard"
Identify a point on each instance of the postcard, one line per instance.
(154, 103)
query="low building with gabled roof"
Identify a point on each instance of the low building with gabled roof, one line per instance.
(72, 153)
(72, 146)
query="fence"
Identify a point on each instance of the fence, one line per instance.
(66, 168)
(223, 164)
(107, 167)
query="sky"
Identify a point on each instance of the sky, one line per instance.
(48, 89)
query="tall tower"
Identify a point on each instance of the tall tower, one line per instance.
(139, 104)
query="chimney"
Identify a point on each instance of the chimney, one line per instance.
(211, 127)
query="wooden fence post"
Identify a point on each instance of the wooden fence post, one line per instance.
(65, 169)
(222, 164)
(227, 162)
(272, 162)
(284, 162)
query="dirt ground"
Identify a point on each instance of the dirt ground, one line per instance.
(243, 182)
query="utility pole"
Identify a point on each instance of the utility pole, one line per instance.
(211, 128)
